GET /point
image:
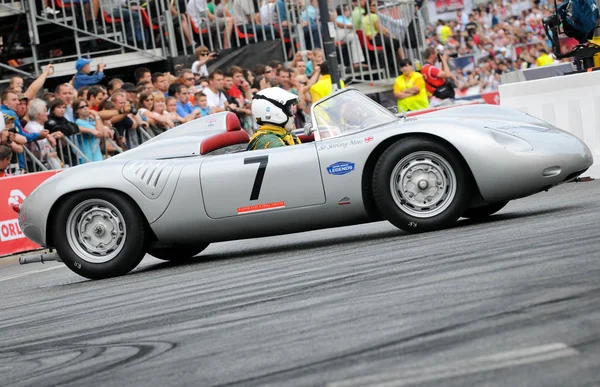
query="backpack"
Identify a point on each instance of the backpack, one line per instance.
(444, 91)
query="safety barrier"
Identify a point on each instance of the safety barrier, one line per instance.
(14, 190)
(491, 98)
(571, 102)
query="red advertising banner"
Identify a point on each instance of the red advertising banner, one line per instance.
(448, 5)
(492, 98)
(13, 190)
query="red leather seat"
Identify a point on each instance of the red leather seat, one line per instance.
(233, 135)
(366, 42)
(306, 138)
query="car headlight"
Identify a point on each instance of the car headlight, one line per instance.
(510, 142)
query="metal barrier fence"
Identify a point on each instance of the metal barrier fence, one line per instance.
(160, 29)
(96, 31)
(68, 153)
(297, 24)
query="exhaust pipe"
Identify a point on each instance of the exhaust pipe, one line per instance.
(39, 257)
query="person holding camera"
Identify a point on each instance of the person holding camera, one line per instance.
(438, 81)
(122, 116)
(10, 138)
(84, 76)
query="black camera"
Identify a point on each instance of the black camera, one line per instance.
(12, 130)
(133, 110)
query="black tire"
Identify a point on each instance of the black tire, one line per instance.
(114, 213)
(176, 254)
(481, 213)
(441, 177)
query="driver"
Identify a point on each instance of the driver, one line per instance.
(274, 110)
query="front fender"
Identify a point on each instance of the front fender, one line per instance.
(150, 183)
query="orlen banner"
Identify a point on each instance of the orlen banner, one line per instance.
(13, 190)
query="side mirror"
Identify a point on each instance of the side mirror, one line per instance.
(308, 128)
(397, 112)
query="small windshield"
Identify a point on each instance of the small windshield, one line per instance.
(347, 112)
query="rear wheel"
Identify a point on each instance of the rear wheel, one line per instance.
(176, 254)
(420, 185)
(481, 213)
(99, 234)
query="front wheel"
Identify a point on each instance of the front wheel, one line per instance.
(176, 254)
(99, 234)
(420, 185)
(481, 213)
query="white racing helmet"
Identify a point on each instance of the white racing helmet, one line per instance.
(274, 106)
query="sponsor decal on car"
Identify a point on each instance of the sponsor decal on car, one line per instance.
(260, 207)
(369, 139)
(340, 168)
(211, 123)
(343, 201)
(345, 144)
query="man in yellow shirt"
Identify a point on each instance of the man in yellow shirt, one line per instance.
(544, 59)
(445, 32)
(323, 87)
(409, 88)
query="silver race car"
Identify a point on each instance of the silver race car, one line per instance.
(358, 163)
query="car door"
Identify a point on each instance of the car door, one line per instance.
(276, 179)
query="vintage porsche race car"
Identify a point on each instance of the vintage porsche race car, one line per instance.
(196, 184)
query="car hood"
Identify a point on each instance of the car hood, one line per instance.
(494, 117)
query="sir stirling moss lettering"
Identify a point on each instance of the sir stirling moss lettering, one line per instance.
(340, 168)
(343, 144)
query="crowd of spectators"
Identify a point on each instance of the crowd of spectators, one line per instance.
(493, 39)
(102, 115)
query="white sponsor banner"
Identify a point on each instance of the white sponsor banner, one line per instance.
(10, 230)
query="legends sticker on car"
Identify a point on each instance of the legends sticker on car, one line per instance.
(340, 168)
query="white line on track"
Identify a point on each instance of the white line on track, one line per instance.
(464, 367)
(30, 272)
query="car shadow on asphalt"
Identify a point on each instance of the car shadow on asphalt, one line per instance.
(261, 252)
(507, 214)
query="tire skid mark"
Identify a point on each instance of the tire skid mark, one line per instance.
(88, 360)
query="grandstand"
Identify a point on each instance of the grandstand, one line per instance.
(484, 39)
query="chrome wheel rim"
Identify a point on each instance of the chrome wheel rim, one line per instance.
(423, 184)
(96, 231)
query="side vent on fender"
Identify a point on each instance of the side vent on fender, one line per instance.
(150, 176)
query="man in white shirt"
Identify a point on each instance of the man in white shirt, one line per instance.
(216, 99)
(38, 115)
(201, 16)
(249, 22)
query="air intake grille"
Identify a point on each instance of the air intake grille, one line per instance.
(150, 176)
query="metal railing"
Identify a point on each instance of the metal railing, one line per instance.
(301, 31)
(68, 154)
(161, 30)
(95, 32)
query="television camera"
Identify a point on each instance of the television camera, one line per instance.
(579, 20)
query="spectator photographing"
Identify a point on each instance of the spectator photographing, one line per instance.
(84, 76)
(437, 81)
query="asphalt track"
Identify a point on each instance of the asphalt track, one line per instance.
(512, 301)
